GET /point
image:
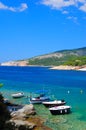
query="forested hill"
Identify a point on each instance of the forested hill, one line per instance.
(72, 57)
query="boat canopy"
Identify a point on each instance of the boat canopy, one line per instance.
(41, 91)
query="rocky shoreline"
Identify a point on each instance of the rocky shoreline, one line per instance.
(60, 67)
(27, 119)
(15, 63)
(65, 67)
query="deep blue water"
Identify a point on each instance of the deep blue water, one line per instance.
(43, 75)
(58, 82)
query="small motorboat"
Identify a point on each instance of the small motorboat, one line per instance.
(59, 110)
(39, 99)
(12, 106)
(54, 103)
(18, 95)
(40, 96)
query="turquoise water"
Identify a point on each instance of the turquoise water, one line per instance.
(58, 83)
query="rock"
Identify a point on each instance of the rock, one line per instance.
(25, 119)
(21, 125)
(18, 120)
(15, 63)
(24, 112)
(29, 109)
(39, 123)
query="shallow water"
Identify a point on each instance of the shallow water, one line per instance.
(67, 85)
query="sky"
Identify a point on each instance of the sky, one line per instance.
(30, 28)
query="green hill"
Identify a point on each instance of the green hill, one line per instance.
(72, 57)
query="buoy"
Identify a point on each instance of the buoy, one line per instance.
(81, 91)
(68, 91)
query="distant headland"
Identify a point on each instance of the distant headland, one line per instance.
(74, 59)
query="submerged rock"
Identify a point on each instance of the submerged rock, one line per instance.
(19, 124)
(39, 123)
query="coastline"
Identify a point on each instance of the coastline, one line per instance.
(60, 67)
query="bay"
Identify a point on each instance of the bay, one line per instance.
(58, 83)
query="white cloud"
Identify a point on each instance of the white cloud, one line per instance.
(58, 4)
(2, 6)
(81, 1)
(74, 19)
(61, 4)
(65, 12)
(21, 8)
(83, 7)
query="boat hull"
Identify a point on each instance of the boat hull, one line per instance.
(38, 101)
(52, 104)
(60, 110)
(18, 95)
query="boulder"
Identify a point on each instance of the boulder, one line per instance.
(20, 125)
(24, 112)
(18, 120)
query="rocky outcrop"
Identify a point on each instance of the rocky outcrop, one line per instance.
(15, 63)
(20, 125)
(39, 122)
(19, 117)
(26, 119)
(24, 112)
(65, 67)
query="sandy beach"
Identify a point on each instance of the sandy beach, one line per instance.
(61, 67)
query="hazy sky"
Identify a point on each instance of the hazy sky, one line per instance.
(30, 28)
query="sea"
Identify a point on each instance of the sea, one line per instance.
(69, 85)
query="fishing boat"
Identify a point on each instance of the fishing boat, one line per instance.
(41, 97)
(53, 103)
(59, 110)
(18, 95)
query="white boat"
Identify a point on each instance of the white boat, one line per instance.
(14, 107)
(57, 110)
(39, 99)
(54, 103)
(18, 95)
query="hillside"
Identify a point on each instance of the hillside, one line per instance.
(72, 57)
